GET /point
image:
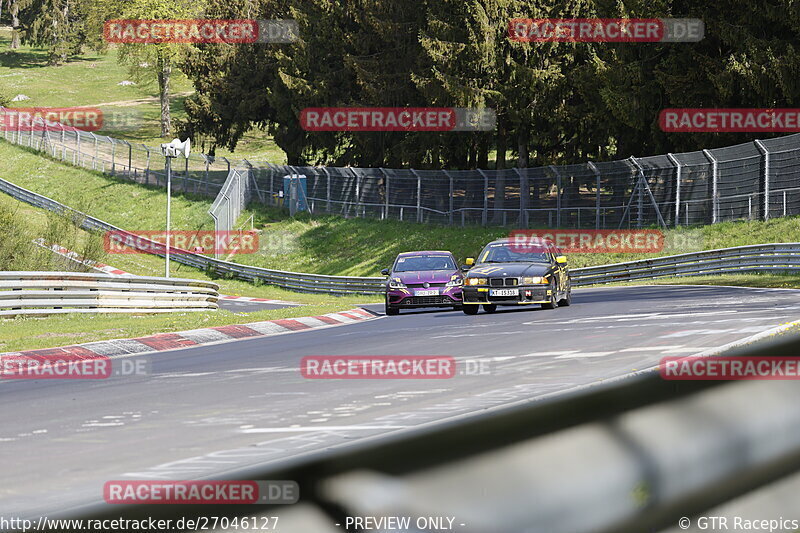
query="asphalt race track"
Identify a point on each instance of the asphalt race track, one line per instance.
(207, 410)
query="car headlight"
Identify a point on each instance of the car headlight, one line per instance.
(535, 280)
(396, 284)
(455, 282)
(476, 281)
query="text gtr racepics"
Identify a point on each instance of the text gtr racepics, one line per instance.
(508, 273)
(423, 279)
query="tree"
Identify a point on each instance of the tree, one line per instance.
(146, 61)
(53, 24)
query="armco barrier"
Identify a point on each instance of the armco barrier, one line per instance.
(297, 281)
(48, 293)
(778, 258)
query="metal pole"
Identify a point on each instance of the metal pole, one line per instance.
(113, 156)
(763, 149)
(451, 198)
(147, 172)
(485, 214)
(596, 195)
(169, 210)
(714, 191)
(419, 195)
(558, 195)
(327, 186)
(678, 178)
(524, 193)
(385, 194)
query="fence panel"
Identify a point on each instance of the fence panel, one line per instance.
(746, 181)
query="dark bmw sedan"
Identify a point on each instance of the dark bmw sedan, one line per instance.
(508, 273)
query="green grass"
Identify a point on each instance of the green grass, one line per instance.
(33, 333)
(93, 78)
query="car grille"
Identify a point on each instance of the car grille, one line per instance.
(502, 282)
(422, 286)
(428, 300)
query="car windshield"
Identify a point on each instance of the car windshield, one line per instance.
(424, 262)
(506, 253)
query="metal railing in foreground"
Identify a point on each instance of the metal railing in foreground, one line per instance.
(49, 293)
(624, 456)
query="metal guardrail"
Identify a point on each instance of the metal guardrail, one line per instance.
(49, 293)
(776, 258)
(779, 257)
(624, 456)
(297, 281)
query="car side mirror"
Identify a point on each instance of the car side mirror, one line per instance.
(385, 272)
(561, 259)
(464, 268)
(470, 261)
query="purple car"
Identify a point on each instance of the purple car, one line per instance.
(423, 279)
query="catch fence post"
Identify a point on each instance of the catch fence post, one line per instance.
(763, 149)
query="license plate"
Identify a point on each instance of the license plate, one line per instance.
(504, 292)
(429, 292)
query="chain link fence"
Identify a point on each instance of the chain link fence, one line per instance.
(753, 180)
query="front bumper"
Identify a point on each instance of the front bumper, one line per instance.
(406, 299)
(527, 294)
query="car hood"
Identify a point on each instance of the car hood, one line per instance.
(501, 270)
(431, 276)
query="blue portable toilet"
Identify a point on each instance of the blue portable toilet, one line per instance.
(295, 192)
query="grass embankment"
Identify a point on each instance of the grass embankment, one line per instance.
(92, 79)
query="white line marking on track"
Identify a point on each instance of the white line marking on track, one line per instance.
(650, 349)
(319, 428)
(584, 354)
(697, 349)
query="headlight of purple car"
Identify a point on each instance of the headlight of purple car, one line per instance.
(396, 284)
(455, 282)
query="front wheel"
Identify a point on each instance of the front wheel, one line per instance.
(552, 304)
(470, 309)
(567, 300)
(389, 310)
